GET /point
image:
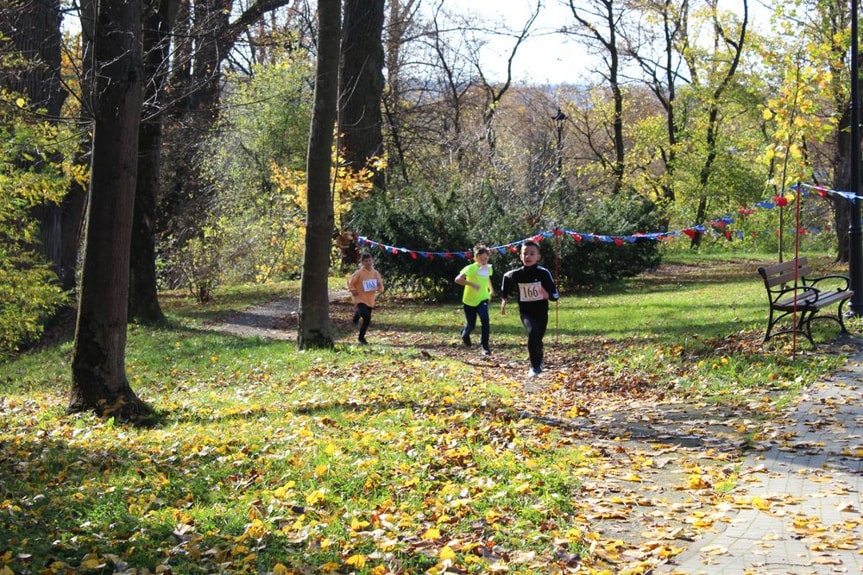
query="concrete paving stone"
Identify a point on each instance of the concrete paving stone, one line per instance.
(812, 523)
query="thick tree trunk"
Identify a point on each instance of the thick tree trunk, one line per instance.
(314, 313)
(98, 360)
(362, 84)
(842, 181)
(143, 288)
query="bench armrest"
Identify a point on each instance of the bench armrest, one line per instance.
(843, 281)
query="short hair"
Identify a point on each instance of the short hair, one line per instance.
(480, 249)
(366, 256)
(533, 243)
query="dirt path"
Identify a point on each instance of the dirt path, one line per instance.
(272, 320)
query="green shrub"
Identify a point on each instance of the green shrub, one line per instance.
(591, 261)
(431, 228)
(35, 169)
(437, 232)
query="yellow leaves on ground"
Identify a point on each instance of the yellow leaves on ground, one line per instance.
(400, 462)
(432, 534)
(356, 561)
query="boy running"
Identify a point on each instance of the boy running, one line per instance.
(364, 285)
(534, 286)
(476, 279)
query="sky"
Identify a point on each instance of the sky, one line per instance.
(544, 57)
(547, 57)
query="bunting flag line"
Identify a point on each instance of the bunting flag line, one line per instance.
(718, 226)
(824, 192)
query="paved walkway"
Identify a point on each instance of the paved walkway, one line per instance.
(803, 511)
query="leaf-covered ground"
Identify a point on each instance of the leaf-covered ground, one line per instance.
(411, 455)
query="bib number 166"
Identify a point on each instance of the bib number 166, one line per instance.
(530, 292)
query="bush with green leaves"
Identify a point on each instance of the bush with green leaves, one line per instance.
(35, 169)
(590, 262)
(428, 222)
(420, 221)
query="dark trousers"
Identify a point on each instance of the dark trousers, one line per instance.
(535, 324)
(470, 315)
(365, 313)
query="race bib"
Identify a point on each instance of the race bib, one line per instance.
(370, 285)
(530, 292)
(482, 271)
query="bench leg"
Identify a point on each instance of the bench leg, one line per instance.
(769, 325)
(805, 325)
(841, 317)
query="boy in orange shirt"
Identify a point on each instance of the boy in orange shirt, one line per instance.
(364, 285)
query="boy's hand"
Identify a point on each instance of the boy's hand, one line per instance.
(542, 293)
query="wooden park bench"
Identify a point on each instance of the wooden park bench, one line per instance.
(791, 292)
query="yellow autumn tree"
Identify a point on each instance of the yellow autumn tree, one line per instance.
(348, 186)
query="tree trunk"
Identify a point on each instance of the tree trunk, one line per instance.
(143, 289)
(361, 84)
(98, 359)
(314, 312)
(842, 181)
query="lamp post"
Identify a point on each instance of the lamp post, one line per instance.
(855, 249)
(559, 118)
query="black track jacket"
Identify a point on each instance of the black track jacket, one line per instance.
(524, 282)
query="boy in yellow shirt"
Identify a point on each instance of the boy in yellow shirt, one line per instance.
(476, 279)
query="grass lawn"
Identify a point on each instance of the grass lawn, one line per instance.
(413, 454)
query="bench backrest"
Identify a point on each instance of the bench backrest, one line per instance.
(784, 272)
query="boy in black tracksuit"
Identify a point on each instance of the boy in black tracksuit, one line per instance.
(534, 286)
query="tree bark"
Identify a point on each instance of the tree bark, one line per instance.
(314, 310)
(99, 382)
(143, 288)
(361, 84)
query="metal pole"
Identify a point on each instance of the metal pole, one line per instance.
(559, 118)
(855, 251)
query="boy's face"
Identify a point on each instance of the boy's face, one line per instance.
(482, 258)
(529, 255)
(367, 263)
